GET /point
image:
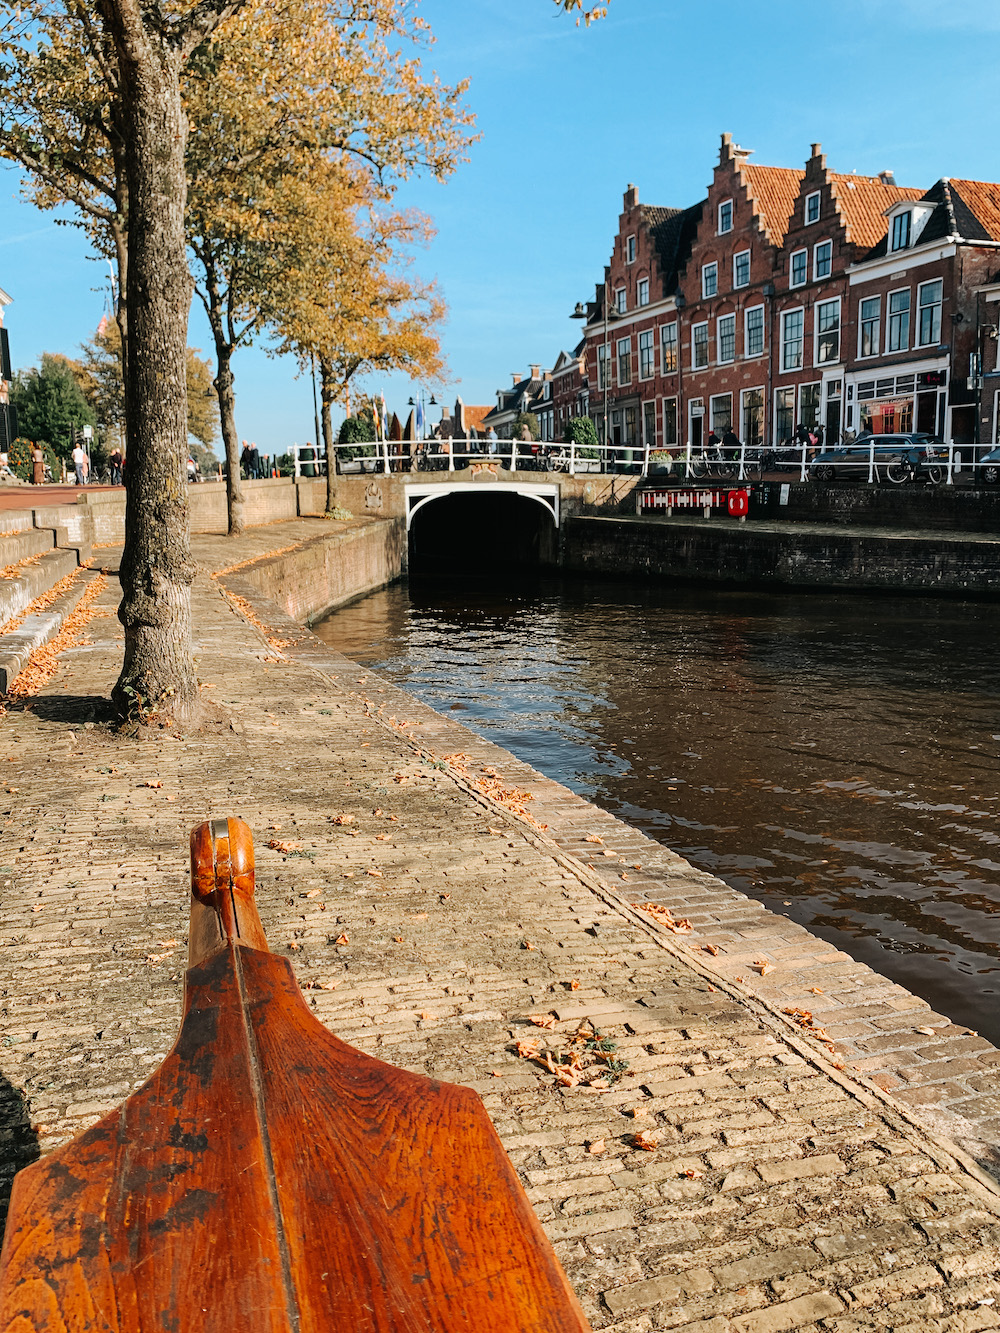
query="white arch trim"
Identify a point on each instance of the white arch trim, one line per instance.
(547, 495)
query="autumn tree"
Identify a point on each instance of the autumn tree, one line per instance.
(50, 405)
(299, 125)
(100, 375)
(91, 106)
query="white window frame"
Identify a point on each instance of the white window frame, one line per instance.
(719, 398)
(630, 250)
(817, 276)
(647, 333)
(746, 331)
(893, 247)
(785, 367)
(862, 355)
(829, 361)
(663, 417)
(718, 339)
(890, 315)
(621, 300)
(603, 357)
(720, 229)
(619, 344)
(791, 268)
(818, 196)
(920, 308)
(702, 324)
(739, 255)
(707, 295)
(642, 292)
(674, 345)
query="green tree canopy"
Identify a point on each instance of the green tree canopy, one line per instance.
(357, 430)
(50, 403)
(582, 432)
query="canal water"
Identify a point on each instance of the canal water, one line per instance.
(834, 757)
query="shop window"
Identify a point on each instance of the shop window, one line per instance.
(649, 425)
(809, 400)
(753, 418)
(784, 414)
(721, 409)
(670, 421)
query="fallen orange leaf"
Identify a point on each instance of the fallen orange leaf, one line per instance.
(645, 1140)
(598, 1146)
(343, 939)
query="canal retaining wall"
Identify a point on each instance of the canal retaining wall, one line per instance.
(909, 508)
(312, 577)
(820, 556)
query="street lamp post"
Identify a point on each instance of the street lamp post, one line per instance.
(581, 313)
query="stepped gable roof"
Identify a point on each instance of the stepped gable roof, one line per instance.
(861, 202)
(672, 230)
(774, 191)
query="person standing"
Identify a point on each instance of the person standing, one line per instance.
(254, 462)
(37, 465)
(245, 459)
(731, 444)
(80, 464)
(116, 466)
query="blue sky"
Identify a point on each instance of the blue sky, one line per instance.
(568, 117)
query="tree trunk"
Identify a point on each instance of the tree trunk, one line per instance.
(223, 381)
(326, 399)
(156, 569)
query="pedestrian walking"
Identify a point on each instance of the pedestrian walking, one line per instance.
(254, 462)
(80, 464)
(731, 445)
(245, 459)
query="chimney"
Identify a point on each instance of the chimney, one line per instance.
(816, 150)
(536, 372)
(517, 377)
(631, 198)
(445, 413)
(886, 177)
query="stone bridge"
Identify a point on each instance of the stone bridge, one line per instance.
(458, 519)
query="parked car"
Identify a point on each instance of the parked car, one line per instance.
(902, 457)
(988, 471)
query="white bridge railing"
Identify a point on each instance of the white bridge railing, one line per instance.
(452, 455)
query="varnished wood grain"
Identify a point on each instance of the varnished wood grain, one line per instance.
(269, 1177)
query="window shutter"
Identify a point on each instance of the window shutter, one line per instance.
(4, 355)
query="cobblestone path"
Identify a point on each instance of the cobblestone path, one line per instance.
(699, 1161)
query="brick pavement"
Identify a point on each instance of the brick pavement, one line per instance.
(777, 1191)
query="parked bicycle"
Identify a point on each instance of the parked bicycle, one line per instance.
(714, 463)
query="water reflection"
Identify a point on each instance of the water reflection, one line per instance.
(835, 758)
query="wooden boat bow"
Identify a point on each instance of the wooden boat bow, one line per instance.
(270, 1177)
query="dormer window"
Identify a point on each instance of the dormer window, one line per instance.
(630, 250)
(812, 206)
(901, 228)
(725, 217)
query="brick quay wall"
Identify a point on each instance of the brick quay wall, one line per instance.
(770, 553)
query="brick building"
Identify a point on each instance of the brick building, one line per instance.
(754, 308)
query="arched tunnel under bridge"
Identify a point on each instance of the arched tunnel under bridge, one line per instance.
(468, 529)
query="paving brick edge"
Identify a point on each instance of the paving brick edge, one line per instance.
(306, 648)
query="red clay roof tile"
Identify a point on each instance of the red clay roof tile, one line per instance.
(862, 200)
